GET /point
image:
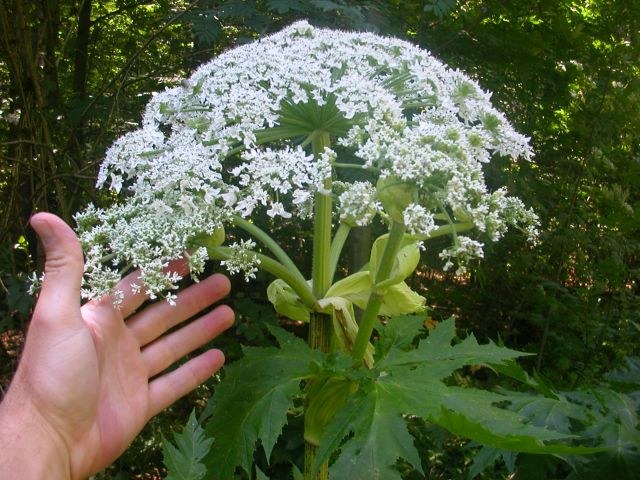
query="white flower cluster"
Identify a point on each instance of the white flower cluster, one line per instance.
(464, 250)
(418, 220)
(267, 175)
(242, 259)
(358, 204)
(235, 138)
(141, 235)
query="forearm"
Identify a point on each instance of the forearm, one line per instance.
(29, 449)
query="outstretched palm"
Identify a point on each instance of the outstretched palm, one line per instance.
(92, 372)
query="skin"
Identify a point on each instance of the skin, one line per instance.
(91, 376)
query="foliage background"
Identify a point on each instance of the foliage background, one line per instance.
(75, 74)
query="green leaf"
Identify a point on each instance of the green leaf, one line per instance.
(252, 403)
(442, 358)
(501, 429)
(628, 375)
(356, 288)
(440, 7)
(380, 437)
(397, 333)
(206, 27)
(284, 6)
(398, 298)
(345, 326)
(286, 302)
(183, 461)
(260, 475)
(404, 264)
(613, 422)
(406, 381)
(485, 457)
(296, 473)
(555, 413)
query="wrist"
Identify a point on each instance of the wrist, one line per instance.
(29, 447)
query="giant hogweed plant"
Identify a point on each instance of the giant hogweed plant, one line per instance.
(268, 129)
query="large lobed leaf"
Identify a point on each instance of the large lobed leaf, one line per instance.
(252, 403)
(370, 431)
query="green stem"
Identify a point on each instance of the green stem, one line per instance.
(262, 236)
(320, 327)
(309, 462)
(356, 166)
(322, 224)
(107, 257)
(275, 268)
(450, 229)
(383, 270)
(336, 247)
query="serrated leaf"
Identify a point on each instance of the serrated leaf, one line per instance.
(206, 26)
(504, 431)
(614, 420)
(380, 437)
(252, 403)
(443, 358)
(184, 461)
(554, 413)
(440, 7)
(485, 458)
(397, 333)
(370, 432)
(468, 412)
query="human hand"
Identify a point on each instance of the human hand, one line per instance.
(90, 377)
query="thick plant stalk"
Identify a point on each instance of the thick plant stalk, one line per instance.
(320, 323)
(309, 459)
(322, 224)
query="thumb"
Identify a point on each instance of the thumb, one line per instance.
(63, 267)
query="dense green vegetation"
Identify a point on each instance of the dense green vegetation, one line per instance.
(76, 75)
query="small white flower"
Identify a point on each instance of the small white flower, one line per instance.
(277, 209)
(171, 299)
